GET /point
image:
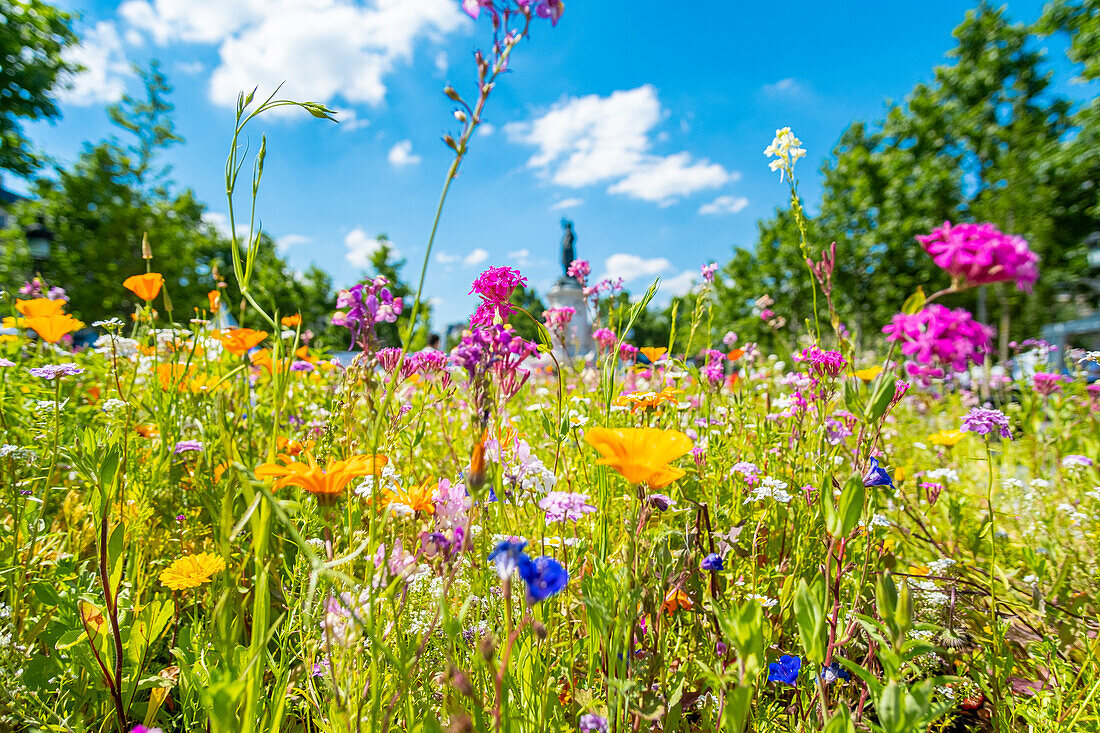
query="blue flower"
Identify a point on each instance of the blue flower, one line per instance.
(785, 670)
(713, 562)
(834, 672)
(876, 475)
(508, 555)
(544, 577)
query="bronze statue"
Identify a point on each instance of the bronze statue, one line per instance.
(568, 252)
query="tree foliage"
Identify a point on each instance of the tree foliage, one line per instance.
(33, 37)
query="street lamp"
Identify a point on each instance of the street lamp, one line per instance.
(39, 242)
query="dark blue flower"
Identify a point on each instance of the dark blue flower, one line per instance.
(713, 562)
(508, 555)
(544, 577)
(785, 670)
(876, 475)
(834, 672)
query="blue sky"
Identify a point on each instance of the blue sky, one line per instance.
(643, 123)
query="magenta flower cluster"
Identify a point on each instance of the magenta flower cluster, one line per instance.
(822, 362)
(549, 9)
(938, 337)
(979, 254)
(1047, 383)
(605, 338)
(495, 287)
(558, 318)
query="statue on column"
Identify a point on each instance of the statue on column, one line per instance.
(568, 251)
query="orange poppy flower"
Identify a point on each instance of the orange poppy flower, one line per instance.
(215, 298)
(171, 376)
(291, 321)
(476, 476)
(653, 353)
(39, 307)
(735, 354)
(641, 455)
(647, 400)
(326, 484)
(675, 600)
(303, 354)
(147, 430)
(52, 328)
(146, 286)
(417, 498)
(240, 341)
(93, 393)
(291, 448)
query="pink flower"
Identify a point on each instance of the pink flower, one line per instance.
(822, 362)
(628, 352)
(495, 287)
(708, 271)
(984, 421)
(1046, 383)
(605, 338)
(980, 254)
(579, 269)
(940, 337)
(558, 318)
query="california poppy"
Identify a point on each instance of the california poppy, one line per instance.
(215, 298)
(146, 286)
(52, 328)
(39, 307)
(641, 455)
(240, 341)
(291, 321)
(653, 353)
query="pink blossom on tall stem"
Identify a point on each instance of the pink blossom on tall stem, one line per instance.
(979, 254)
(628, 352)
(822, 362)
(557, 319)
(495, 287)
(707, 271)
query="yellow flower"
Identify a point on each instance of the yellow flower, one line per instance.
(653, 353)
(418, 498)
(641, 455)
(948, 438)
(326, 484)
(646, 400)
(191, 571)
(868, 374)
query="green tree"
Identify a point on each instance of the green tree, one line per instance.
(149, 121)
(986, 140)
(33, 38)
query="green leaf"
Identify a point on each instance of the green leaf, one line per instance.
(850, 506)
(809, 609)
(914, 302)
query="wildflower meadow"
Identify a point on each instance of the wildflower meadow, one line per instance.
(219, 526)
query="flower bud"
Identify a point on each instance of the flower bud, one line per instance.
(146, 248)
(451, 93)
(540, 631)
(487, 648)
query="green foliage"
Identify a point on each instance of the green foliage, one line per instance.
(33, 37)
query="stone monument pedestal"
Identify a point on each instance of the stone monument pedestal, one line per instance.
(567, 293)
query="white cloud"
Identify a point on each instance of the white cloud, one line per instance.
(324, 50)
(401, 154)
(361, 246)
(521, 257)
(285, 242)
(663, 180)
(190, 68)
(350, 120)
(220, 222)
(789, 87)
(724, 205)
(106, 67)
(678, 284)
(631, 267)
(485, 129)
(441, 63)
(566, 204)
(444, 258)
(589, 140)
(476, 257)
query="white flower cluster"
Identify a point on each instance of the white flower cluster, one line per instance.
(786, 151)
(387, 478)
(770, 488)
